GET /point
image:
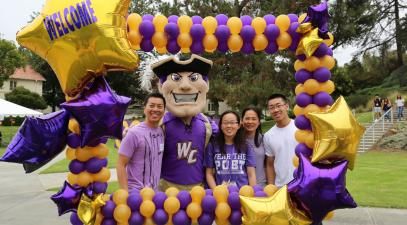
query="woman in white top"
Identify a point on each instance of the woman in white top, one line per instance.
(400, 106)
(254, 137)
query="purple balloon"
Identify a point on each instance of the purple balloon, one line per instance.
(146, 45)
(223, 47)
(108, 221)
(108, 209)
(184, 199)
(76, 166)
(172, 46)
(235, 217)
(330, 52)
(260, 194)
(208, 204)
(330, 180)
(206, 219)
(293, 17)
(270, 19)
(173, 19)
(75, 219)
(197, 32)
(247, 33)
(294, 44)
(247, 48)
(233, 188)
(160, 217)
(148, 17)
(73, 140)
(99, 187)
(197, 47)
(136, 218)
(181, 218)
(208, 192)
(303, 149)
(271, 48)
(146, 29)
(322, 50)
(302, 75)
(134, 201)
(272, 32)
(159, 199)
(301, 57)
(67, 199)
(172, 30)
(292, 30)
(234, 201)
(302, 122)
(257, 188)
(97, 141)
(322, 74)
(94, 165)
(322, 99)
(196, 20)
(303, 99)
(222, 19)
(222, 33)
(246, 20)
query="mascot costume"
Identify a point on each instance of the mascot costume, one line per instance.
(184, 84)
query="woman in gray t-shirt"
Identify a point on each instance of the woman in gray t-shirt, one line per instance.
(252, 127)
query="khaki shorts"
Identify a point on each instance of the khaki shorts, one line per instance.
(164, 185)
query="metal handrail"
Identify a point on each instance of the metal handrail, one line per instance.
(372, 127)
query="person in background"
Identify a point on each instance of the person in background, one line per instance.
(386, 107)
(141, 151)
(228, 158)
(400, 107)
(377, 107)
(254, 137)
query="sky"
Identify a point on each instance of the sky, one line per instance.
(17, 13)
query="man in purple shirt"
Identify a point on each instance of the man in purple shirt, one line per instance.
(141, 151)
(184, 86)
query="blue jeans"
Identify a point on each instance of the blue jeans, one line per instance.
(400, 112)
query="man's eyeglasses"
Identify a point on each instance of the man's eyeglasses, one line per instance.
(277, 106)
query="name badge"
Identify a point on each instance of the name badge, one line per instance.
(161, 148)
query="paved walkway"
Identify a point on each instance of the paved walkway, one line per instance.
(24, 201)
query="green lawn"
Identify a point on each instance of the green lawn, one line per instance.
(366, 117)
(7, 134)
(62, 166)
(379, 179)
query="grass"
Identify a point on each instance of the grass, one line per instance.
(366, 117)
(62, 166)
(7, 134)
(379, 179)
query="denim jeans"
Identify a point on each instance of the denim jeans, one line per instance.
(400, 112)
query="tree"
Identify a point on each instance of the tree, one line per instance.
(26, 98)
(10, 59)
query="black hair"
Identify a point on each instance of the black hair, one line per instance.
(277, 95)
(153, 95)
(239, 140)
(258, 136)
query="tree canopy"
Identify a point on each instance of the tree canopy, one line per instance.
(10, 59)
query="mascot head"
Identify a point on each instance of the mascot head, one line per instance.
(184, 84)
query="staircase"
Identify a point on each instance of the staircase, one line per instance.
(376, 129)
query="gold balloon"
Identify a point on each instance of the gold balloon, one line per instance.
(283, 40)
(304, 28)
(210, 42)
(311, 86)
(147, 208)
(259, 25)
(184, 23)
(299, 89)
(135, 39)
(298, 64)
(260, 42)
(298, 110)
(122, 213)
(283, 22)
(311, 108)
(147, 193)
(73, 126)
(296, 161)
(327, 86)
(223, 210)
(72, 178)
(70, 153)
(184, 40)
(162, 50)
(78, 48)
(235, 43)
(235, 25)
(102, 176)
(328, 62)
(337, 133)
(329, 41)
(100, 151)
(309, 43)
(247, 191)
(194, 211)
(172, 192)
(133, 21)
(197, 194)
(120, 196)
(302, 17)
(275, 210)
(209, 23)
(270, 189)
(221, 193)
(83, 154)
(84, 179)
(171, 205)
(159, 22)
(88, 208)
(312, 63)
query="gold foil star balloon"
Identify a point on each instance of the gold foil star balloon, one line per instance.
(337, 133)
(88, 208)
(275, 210)
(80, 39)
(309, 43)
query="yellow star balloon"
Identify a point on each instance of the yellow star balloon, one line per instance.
(274, 210)
(309, 43)
(80, 39)
(88, 208)
(337, 133)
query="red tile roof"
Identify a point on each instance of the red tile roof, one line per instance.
(27, 73)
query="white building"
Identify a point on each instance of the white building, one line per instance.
(23, 77)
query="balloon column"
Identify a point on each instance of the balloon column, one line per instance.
(82, 39)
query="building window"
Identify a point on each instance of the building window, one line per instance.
(13, 85)
(211, 106)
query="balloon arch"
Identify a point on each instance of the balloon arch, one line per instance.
(83, 39)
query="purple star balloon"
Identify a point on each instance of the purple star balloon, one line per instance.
(318, 16)
(99, 111)
(320, 188)
(38, 140)
(67, 199)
